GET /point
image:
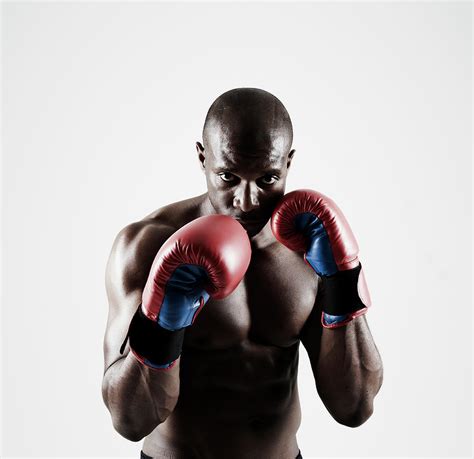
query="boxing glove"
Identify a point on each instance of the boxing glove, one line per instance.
(308, 221)
(206, 258)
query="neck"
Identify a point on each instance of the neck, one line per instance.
(263, 238)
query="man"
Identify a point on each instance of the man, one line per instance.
(210, 298)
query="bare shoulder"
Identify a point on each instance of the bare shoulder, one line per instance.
(179, 213)
(133, 252)
(137, 244)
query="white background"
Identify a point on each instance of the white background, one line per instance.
(102, 104)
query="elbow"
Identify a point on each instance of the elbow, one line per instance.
(135, 422)
(355, 418)
(135, 429)
(121, 422)
(352, 407)
(129, 431)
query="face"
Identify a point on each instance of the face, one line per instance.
(245, 180)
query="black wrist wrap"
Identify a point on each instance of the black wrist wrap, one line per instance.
(151, 341)
(339, 294)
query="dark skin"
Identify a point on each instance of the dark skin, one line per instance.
(233, 392)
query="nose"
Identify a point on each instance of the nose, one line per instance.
(246, 197)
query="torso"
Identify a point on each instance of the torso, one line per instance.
(238, 369)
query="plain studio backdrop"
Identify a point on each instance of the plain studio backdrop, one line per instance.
(102, 105)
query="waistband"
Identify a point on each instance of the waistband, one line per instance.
(145, 456)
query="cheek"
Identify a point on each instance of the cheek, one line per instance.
(215, 183)
(221, 197)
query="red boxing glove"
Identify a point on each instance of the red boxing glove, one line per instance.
(208, 257)
(309, 222)
(217, 244)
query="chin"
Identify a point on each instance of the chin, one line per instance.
(253, 230)
(252, 233)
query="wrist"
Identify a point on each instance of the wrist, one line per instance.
(153, 345)
(342, 298)
(149, 364)
(330, 321)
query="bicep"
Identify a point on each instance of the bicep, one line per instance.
(120, 316)
(123, 300)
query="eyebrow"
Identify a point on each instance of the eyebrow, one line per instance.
(235, 170)
(231, 165)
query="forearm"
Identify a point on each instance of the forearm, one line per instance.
(349, 372)
(138, 397)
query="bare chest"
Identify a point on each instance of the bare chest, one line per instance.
(270, 306)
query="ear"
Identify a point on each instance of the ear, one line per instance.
(201, 154)
(290, 158)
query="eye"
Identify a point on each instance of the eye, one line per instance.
(227, 177)
(269, 179)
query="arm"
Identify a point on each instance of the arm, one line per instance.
(346, 366)
(138, 397)
(344, 359)
(205, 258)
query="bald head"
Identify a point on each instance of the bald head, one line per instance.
(246, 155)
(247, 120)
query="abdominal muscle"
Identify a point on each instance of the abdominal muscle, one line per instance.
(240, 402)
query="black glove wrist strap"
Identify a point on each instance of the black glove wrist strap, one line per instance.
(339, 293)
(152, 342)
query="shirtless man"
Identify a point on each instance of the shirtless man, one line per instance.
(224, 384)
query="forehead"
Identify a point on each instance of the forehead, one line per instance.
(256, 148)
(259, 161)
